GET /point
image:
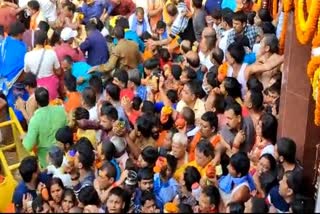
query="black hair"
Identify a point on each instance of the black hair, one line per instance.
(195, 87)
(227, 17)
(121, 193)
(188, 115)
(256, 98)
(172, 9)
(81, 113)
(42, 96)
(28, 166)
(218, 56)
(172, 162)
(191, 73)
(37, 204)
(272, 161)
(44, 26)
(176, 71)
(148, 107)
(86, 154)
(40, 37)
(241, 163)
(219, 104)
(271, 40)
(108, 150)
(56, 156)
(205, 147)
(185, 208)
(118, 32)
(268, 28)
(150, 155)
(240, 16)
(269, 127)
(70, 6)
(91, 26)
(113, 91)
(242, 40)
(212, 79)
(109, 111)
(136, 103)
(151, 64)
(89, 196)
(211, 118)
(34, 5)
(259, 205)
(16, 29)
(268, 180)
(194, 61)
(122, 22)
(237, 52)
(216, 14)
(147, 196)
(30, 80)
(65, 135)
(250, 18)
(161, 25)
(145, 173)
(68, 59)
(197, 3)
(232, 87)
(236, 207)
(89, 96)
(172, 96)
(287, 149)
(191, 176)
(213, 193)
(164, 54)
(96, 83)
(254, 83)
(294, 181)
(70, 82)
(109, 168)
(122, 76)
(264, 15)
(302, 204)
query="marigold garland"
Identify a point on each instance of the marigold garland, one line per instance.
(283, 34)
(316, 96)
(274, 8)
(222, 71)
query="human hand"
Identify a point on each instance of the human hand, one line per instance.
(26, 200)
(93, 69)
(80, 80)
(239, 138)
(126, 104)
(20, 104)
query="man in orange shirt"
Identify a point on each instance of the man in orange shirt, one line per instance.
(73, 97)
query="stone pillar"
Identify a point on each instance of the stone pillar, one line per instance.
(297, 105)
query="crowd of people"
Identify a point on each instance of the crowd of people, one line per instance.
(148, 106)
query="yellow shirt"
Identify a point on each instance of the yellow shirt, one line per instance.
(166, 16)
(90, 134)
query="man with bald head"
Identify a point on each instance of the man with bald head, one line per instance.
(207, 46)
(192, 60)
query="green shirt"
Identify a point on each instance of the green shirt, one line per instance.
(42, 129)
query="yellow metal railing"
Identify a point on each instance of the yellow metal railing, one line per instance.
(9, 183)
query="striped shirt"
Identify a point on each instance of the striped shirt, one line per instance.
(181, 21)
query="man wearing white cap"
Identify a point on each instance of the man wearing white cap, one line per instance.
(67, 35)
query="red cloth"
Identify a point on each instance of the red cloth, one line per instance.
(66, 49)
(127, 93)
(125, 8)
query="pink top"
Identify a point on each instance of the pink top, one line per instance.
(66, 49)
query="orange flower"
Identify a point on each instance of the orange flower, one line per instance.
(160, 164)
(171, 208)
(222, 71)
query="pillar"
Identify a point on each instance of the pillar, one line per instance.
(297, 105)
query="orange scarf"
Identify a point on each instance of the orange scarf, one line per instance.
(214, 141)
(33, 21)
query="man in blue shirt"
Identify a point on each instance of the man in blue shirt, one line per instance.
(95, 9)
(95, 46)
(31, 178)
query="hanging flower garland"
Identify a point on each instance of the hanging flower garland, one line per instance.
(274, 8)
(316, 96)
(287, 7)
(222, 71)
(305, 29)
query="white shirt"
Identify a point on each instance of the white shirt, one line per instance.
(93, 113)
(223, 41)
(48, 9)
(205, 60)
(57, 173)
(50, 61)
